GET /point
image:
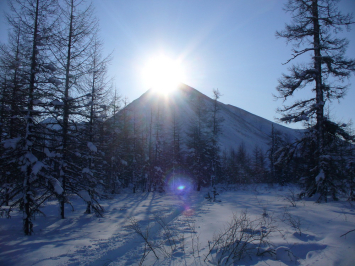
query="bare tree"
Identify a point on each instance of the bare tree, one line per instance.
(72, 52)
(32, 21)
(216, 130)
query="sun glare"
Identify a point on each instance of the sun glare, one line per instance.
(163, 74)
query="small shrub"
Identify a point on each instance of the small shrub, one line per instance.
(242, 238)
(294, 221)
(292, 197)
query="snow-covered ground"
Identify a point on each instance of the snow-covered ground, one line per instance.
(182, 228)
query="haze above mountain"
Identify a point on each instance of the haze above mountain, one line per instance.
(154, 109)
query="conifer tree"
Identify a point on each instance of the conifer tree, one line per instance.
(72, 50)
(96, 85)
(216, 130)
(111, 151)
(198, 143)
(314, 22)
(175, 150)
(30, 174)
(258, 165)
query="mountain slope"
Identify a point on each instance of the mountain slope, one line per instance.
(239, 126)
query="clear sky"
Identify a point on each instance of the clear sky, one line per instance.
(224, 44)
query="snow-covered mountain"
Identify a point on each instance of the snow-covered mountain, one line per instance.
(238, 126)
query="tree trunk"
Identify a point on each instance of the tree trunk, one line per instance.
(66, 111)
(319, 85)
(319, 101)
(27, 223)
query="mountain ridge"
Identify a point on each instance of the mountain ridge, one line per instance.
(239, 126)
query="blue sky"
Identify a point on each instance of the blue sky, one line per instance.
(225, 44)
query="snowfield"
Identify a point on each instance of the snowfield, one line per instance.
(249, 225)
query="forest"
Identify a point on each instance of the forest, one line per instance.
(65, 130)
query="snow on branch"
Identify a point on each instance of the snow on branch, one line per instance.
(57, 103)
(56, 186)
(11, 143)
(320, 177)
(85, 195)
(37, 167)
(50, 67)
(54, 81)
(87, 171)
(92, 147)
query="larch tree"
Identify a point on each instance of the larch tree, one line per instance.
(124, 143)
(175, 151)
(197, 142)
(72, 51)
(12, 82)
(97, 86)
(112, 179)
(13, 101)
(216, 130)
(258, 165)
(31, 175)
(158, 162)
(313, 30)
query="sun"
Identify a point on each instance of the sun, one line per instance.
(163, 74)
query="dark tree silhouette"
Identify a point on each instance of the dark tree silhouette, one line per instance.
(314, 22)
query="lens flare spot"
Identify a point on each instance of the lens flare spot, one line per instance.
(188, 211)
(181, 187)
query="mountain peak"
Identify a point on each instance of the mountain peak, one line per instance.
(238, 126)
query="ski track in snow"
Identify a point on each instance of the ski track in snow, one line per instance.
(83, 239)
